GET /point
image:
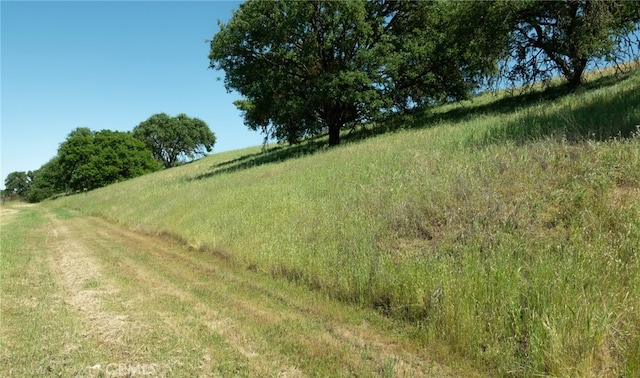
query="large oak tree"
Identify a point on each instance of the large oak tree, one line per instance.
(306, 67)
(170, 138)
(301, 66)
(549, 38)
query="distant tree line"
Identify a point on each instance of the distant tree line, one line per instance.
(310, 67)
(89, 159)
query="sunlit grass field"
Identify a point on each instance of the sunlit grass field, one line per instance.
(506, 227)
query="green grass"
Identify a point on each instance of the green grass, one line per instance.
(506, 228)
(39, 333)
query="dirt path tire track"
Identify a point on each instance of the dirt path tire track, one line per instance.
(78, 272)
(151, 299)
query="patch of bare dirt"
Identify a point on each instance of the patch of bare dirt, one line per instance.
(8, 211)
(84, 284)
(6, 214)
(171, 256)
(624, 197)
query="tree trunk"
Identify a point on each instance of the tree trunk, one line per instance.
(334, 134)
(574, 82)
(579, 66)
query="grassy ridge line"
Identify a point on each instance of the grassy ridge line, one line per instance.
(505, 234)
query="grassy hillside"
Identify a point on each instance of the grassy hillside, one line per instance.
(507, 228)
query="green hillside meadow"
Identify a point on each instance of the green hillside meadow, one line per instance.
(506, 228)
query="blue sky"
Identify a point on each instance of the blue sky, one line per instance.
(108, 65)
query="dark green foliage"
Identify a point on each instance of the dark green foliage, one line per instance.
(303, 67)
(562, 37)
(90, 160)
(17, 184)
(437, 54)
(309, 67)
(169, 138)
(47, 181)
(86, 160)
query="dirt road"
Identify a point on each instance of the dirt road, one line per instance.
(126, 304)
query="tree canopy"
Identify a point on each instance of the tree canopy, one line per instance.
(47, 181)
(86, 160)
(17, 184)
(90, 160)
(169, 138)
(436, 53)
(301, 66)
(310, 67)
(549, 38)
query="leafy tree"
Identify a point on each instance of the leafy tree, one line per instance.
(47, 181)
(319, 66)
(90, 160)
(17, 184)
(169, 138)
(302, 67)
(551, 37)
(74, 153)
(437, 54)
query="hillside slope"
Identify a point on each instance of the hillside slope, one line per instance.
(506, 228)
(86, 298)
